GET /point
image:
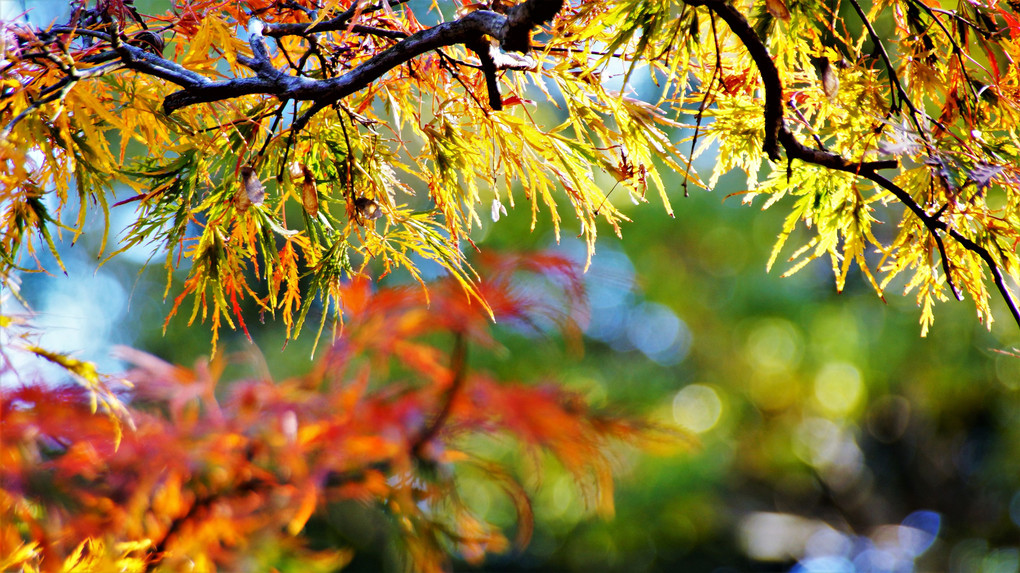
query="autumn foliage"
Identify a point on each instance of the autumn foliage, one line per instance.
(215, 474)
(276, 140)
(280, 157)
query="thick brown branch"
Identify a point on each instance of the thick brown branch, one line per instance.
(512, 30)
(522, 18)
(382, 33)
(776, 132)
(216, 91)
(138, 59)
(482, 50)
(470, 29)
(797, 150)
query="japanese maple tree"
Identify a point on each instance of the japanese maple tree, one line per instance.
(285, 153)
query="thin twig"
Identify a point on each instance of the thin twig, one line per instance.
(350, 160)
(335, 24)
(458, 368)
(793, 105)
(269, 136)
(946, 266)
(157, 554)
(915, 114)
(56, 92)
(448, 63)
(934, 225)
(704, 102)
(894, 81)
(956, 47)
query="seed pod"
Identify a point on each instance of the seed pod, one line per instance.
(251, 192)
(309, 194)
(830, 81)
(778, 9)
(367, 209)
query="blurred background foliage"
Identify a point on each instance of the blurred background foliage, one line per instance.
(832, 437)
(827, 426)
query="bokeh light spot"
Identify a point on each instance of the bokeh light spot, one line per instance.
(1014, 509)
(888, 418)
(839, 388)
(767, 536)
(774, 346)
(825, 565)
(655, 330)
(827, 542)
(919, 531)
(697, 407)
(832, 450)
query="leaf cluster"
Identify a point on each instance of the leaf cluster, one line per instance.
(943, 108)
(387, 177)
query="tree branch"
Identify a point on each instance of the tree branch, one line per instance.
(458, 365)
(522, 18)
(894, 80)
(946, 267)
(470, 30)
(137, 59)
(482, 50)
(935, 224)
(158, 552)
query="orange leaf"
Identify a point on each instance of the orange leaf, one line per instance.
(304, 512)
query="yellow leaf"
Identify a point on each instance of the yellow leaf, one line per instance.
(84, 558)
(126, 547)
(25, 552)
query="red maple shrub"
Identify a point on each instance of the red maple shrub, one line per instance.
(213, 475)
